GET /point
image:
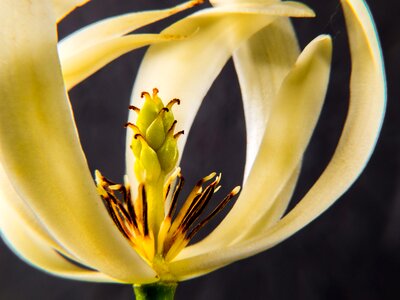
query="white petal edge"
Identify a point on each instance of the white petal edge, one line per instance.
(175, 72)
(40, 149)
(293, 118)
(360, 133)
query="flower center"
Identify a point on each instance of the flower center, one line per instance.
(151, 221)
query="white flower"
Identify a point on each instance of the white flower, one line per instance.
(48, 202)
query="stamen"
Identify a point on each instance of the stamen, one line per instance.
(114, 217)
(198, 207)
(144, 212)
(219, 208)
(130, 207)
(152, 223)
(115, 187)
(175, 195)
(131, 218)
(198, 187)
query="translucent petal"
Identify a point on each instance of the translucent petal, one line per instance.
(81, 65)
(40, 149)
(90, 48)
(292, 121)
(271, 216)
(362, 126)
(262, 63)
(38, 253)
(10, 201)
(187, 68)
(291, 124)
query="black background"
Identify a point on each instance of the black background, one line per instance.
(350, 252)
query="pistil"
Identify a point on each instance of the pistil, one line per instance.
(152, 222)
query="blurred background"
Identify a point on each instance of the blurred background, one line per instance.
(352, 251)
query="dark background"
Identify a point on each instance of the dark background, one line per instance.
(350, 252)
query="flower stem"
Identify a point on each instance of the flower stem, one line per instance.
(155, 291)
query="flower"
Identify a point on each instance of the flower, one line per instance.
(48, 198)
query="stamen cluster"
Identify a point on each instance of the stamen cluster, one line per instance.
(178, 226)
(152, 221)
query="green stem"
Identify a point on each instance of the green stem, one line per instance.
(155, 291)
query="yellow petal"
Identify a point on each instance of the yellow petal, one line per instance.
(186, 69)
(90, 48)
(40, 149)
(81, 65)
(262, 63)
(37, 252)
(11, 202)
(361, 129)
(363, 123)
(271, 216)
(290, 126)
(286, 8)
(12, 208)
(64, 7)
(292, 121)
(242, 2)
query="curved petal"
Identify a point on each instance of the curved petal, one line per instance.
(187, 68)
(64, 7)
(291, 124)
(363, 124)
(40, 149)
(114, 27)
(82, 64)
(262, 63)
(90, 48)
(36, 252)
(271, 216)
(11, 204)
(242, 2)
(10, 201)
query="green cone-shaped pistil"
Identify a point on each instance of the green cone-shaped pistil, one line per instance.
(154, 143)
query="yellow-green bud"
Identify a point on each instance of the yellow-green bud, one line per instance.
(151, 108)
(154, 143)
(168, 153)
(155, 134)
